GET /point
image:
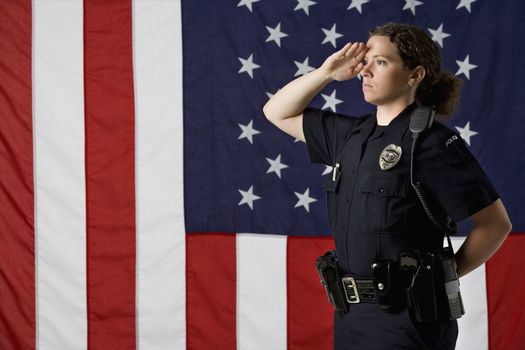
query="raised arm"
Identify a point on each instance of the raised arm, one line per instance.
(491, 227)
(285, 108)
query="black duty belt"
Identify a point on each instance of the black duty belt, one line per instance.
(359, 291)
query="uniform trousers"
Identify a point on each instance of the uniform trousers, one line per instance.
(367, 327)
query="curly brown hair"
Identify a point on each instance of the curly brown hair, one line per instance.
(438, 89)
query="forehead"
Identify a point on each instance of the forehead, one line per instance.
(381, 46)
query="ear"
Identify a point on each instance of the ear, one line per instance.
(417, 75)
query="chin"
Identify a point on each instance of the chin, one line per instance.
(369, 99)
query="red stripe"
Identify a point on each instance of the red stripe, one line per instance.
(211, 291)
(110, 190)
(506, 295)
(310, 315)
(17, 236)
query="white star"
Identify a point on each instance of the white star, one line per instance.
(438, 35)
(411, 5)
(357, 4)
(247, 3)
(269, 94)
(248, 131)
(465, 4)
(304, 200)
(327, 170)
(465, 67)
(331, 101)
(304, 5)
(276, 34)
(303, 67)
(248, 197)
(466, 133)
(276, 166)
(248, 66)
(331, 35)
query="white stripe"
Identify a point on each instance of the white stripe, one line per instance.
(60, 212)
(473, 326)
(161, 296)
(261, 292)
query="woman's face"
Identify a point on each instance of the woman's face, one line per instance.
(385, 81)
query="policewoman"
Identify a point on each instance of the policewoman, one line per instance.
(373, 210)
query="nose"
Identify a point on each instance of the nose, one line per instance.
(366, 72)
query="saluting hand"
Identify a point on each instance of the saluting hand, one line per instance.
(346, 63)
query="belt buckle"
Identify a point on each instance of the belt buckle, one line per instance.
(352, 295)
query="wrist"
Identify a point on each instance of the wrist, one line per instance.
(325, 76)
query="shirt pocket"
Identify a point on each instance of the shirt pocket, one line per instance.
(331, 189)
(384, 202)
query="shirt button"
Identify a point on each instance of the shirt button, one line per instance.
(381, 190)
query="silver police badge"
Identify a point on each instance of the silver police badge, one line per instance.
(390, 156)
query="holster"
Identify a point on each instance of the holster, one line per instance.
(433, 292)
(330, 275)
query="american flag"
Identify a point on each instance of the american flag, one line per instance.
(145, 201)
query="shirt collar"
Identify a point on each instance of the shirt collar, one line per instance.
(399, 124)
(402, 117)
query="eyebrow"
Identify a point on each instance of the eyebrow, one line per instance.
(384, 56)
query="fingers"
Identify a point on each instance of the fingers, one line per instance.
(345, 48)
(350, 48)
(357, 50)
(360, 53)
(357, 69)
(354, 49)
(347, 61)
(341, 53)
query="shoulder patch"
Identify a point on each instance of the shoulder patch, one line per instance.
(450, 140)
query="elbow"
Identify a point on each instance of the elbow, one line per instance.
(494, 218)
(266, 111)
(503, 227)
(507, 226)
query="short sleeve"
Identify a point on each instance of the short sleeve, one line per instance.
(325, 132)
(453, 175)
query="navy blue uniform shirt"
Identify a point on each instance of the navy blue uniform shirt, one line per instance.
(374, 213)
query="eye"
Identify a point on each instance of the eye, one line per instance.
(365, 61)
(381, 62)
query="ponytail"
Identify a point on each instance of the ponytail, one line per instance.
(442, 94)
